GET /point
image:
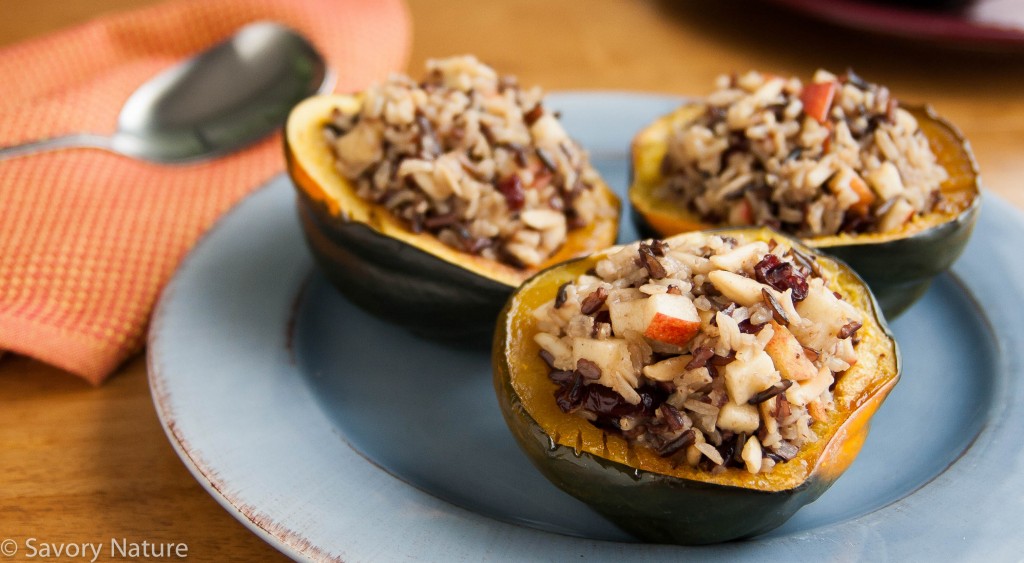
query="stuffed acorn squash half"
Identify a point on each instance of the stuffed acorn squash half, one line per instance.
(696, 389)
(428, 202)
(891, 190)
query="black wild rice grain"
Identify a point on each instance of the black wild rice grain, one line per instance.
(649, 261)
(849, 329)
(561, 296)
(701, 355)
(588, 369)
(672, 417)
(548, 358)
(546, 160)
(777, 313)
(593, 302)
(684, 440)
(770, 392)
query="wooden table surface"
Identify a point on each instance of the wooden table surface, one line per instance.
(82, 464)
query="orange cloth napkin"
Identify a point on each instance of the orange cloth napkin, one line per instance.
(88, 238)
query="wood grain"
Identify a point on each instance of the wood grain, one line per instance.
(84, 464)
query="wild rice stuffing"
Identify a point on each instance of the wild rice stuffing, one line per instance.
(836, 155)
(710, 352)
(470, 157)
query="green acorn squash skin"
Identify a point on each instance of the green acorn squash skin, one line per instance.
(900, 271)
(407, 278)
(399, 282)
(691, 507)
(646, 504)
(898, 266)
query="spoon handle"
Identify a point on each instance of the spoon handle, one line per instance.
(75, 140)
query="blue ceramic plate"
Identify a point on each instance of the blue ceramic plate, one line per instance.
(335, 436)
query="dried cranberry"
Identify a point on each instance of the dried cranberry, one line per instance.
(570, 396)
(512, 189)
(606, 402)
(535, 113)
(772, 271)
(651, 398)
(561, 376)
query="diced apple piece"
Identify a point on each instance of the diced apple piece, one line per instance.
(817, 100)
(739, 417)
(627, 315)
(825, 310)
(788, 355)
(810, 334)
(561, 352)
(820, 305)
(612, 356)
(852, 191)
(741, 289)
(362, 146)
(743, 380)
(694, 379)
(866, 198)
(817, 411)
(822, 75)
(846, 352)
(741, 257)
(672, 319)
(741, 213)
(898, 214)
(667, 370)
(751, 454)
(667, 318)
(886, 181)
(807, 391)
(693, 455)
(771, 425)
(548, 130)
(706, 317)
(824, 314)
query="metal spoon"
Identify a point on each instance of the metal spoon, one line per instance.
(221, 100)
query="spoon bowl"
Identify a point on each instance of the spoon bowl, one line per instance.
(223, 99)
